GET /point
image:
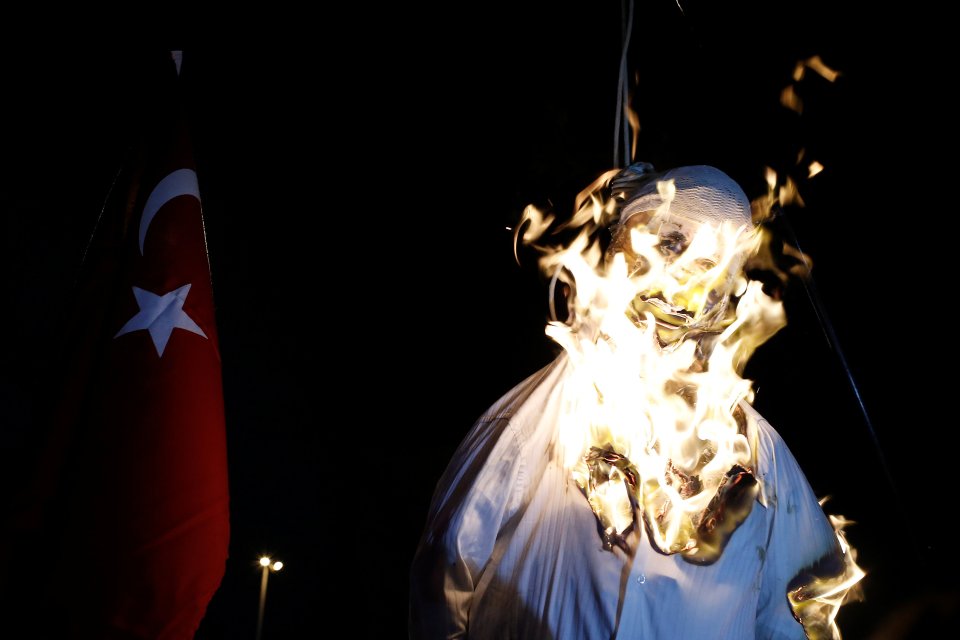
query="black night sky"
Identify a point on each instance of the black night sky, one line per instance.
(356, 199)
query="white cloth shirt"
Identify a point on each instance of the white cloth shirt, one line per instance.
(511, 547)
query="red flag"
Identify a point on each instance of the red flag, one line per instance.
(137, 489)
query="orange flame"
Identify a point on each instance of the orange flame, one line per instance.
(539, 223)
(817, 599)
(815, 64)
(652, 426)
(763, 208)
(639, 390)
(634, 119)
(790, 99)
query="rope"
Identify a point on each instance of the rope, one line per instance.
(621, 124)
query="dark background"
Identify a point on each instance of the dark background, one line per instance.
(358, 173)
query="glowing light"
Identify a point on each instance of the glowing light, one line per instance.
(265, 562)
(816, 64)
(650, 423)
(790, 99)
(818, 599)
(654, 429)
(815, 168)
(634, 119)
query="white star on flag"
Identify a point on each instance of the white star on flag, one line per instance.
(160, 315)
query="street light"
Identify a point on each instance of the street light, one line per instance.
(268, 566)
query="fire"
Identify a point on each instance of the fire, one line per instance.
(819, 592)
(652, 419)
(660, 326)
(817, 65)
(633, 118)
(789, 97)
(536, 224)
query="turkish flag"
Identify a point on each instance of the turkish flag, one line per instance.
(133, 489)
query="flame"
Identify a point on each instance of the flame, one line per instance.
(798, 70)
(815, 168)
(790, 194)
(777, 195)
(539, 223)
(634, 119)
(775, 257)
(817, 594)
(590, 208)
(652, 427)
(815, 64)
(790, 99)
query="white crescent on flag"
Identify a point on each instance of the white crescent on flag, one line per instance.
(182, 182)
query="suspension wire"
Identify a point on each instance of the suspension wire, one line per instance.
(810, 286)
(813, 295)
(621, 124)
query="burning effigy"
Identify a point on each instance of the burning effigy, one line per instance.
(629, 488)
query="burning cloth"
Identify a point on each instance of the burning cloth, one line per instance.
(629, 489)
